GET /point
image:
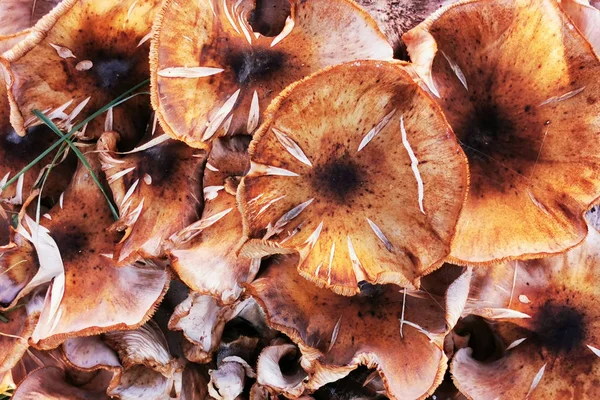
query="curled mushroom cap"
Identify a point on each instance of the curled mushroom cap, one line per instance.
(586, 18)
(525, 116)
(80, 57)
(205, 53)
(278, 368)
(90, 293)
(157, 191)
(545, 313)
(356, 169)
(204, 253)
(401, 336)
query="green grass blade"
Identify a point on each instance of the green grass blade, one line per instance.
(117, 101)
(81, 157)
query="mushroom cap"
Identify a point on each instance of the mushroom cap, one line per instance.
(395, 17)
(94, 294)
(586, 18)
(14, 334)
(337, 333)
(51, 66)
(356, 169)
(157, 191)
(18, 15)
(17, 152)
(18, 266)
(526, 117)
(217, 236)
(53, 383)
(545, 314)
(230, 74)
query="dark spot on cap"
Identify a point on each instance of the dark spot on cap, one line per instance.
(559, 328)
(17, 149)
(339, 179)
(369, 290)
(255, 65)
(111, 71)
(161, 162)
(71, 241)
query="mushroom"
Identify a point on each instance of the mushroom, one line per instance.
(395, 17)
(15, 330)
(278, 368)
(18, 15)
(206, 54)
(204, 253)
(544, 312)
(19, 265)
(401, 335)
(90, 294)
(202, 321)
(525, 117)
(157, 189)
(356, 170)
(17, 152)
(586, 18)
(54, 383)
(67, 63)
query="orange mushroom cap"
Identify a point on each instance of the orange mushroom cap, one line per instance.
(93, 294)
(402, 336)
(525, 115)
(157, 189)
(205, 53)
(216, 237)
(356, 169)
(68, 61)
(545, 314)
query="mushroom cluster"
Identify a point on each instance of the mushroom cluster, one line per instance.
(301, 199)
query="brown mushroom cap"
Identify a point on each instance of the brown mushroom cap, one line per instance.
(545, 312)
(67, 58)
(53, 383)
(356, 169)
(204, 254)
(17, 152)
(18, 266)
(157, 191)
(98, 295)
(337, 333)
(526, 117)
(205, 53)
(18, 15)
(14, 334)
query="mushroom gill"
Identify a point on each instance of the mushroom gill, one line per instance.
(400, 335)
(157, 189)
(205, 53)
(78, 58)
(545, 314)
(204, 253)
(520, 89)
(356, 170)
